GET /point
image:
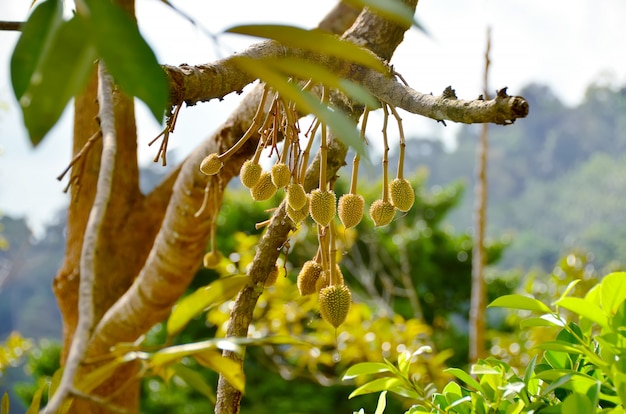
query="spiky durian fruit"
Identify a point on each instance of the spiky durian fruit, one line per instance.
(264, 188)
(308, 276)
(212, 259)
(296, 196)
(350, 209)
(335, 304)
(323, 206)
(298, 215)
(402, 194)
(272, 277)
(211, 164)
(280, 175)
(250, 173)
(382, 212)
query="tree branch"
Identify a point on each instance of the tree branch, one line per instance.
(192, 84)
(89, 250)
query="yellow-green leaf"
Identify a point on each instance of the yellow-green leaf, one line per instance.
(195, 380)
(377, 385)
(393, 10)
(4, 407)
(313, 40)
(365, 368)
(229, 369)
(307, 70)
(520, 302)
(35, 403)
(202, 299)
(176, 353)
(585, 309)
(613, 292)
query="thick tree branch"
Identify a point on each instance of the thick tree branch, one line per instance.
(205, 82)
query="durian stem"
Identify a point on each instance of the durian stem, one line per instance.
(400, 173)
(323, 159)
(366, 114)
(385, 156)
(333, 280)
(355, 173)
(251, 129)
(323, 246)
(307, 150)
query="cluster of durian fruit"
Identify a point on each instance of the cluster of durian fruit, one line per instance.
(322, 274)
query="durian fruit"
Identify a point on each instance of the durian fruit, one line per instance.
(324, 279)
(272, 277)
(296, 196)
(350, 209)
(308, 276)
(382, 212)
(298, 215)
(402, 194)
(250, 173)
(323, 206)
(212, 259)
(264, 189)
(211, 164)
(280, 175)
(335, 303)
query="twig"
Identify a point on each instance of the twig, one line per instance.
(11, 26)
(169, 128)
(84, 326)
(80, 156)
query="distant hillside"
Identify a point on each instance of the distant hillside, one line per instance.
(557, 179)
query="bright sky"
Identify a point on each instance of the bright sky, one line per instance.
(565, 44)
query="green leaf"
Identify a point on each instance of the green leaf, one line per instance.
(202, 299)
(585, 309)
(314, 40)
(393, 10)
(231, 370)
(577, 404)
(613, 292)
(37, 35)
(382, 403)
(465, 377)
(61, 73)
(128, 58)
(364, 368)
(547, 320)
(520, 302)
(342, 126)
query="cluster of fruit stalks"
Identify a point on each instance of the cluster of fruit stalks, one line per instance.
(322, 274)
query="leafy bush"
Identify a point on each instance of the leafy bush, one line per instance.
(582, 370)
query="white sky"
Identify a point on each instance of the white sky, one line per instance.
(565, 44)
